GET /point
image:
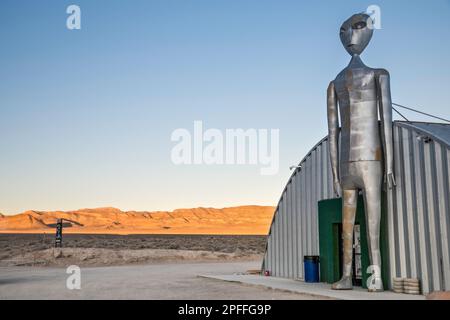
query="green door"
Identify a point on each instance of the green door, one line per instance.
(330, 221)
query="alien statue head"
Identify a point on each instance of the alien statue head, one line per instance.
(356, 33)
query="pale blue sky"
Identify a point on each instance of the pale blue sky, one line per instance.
(86, 115)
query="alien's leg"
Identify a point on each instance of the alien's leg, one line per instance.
(372, 203)
(349, 200)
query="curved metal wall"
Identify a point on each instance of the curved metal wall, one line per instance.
(294, 230)
(418, 209)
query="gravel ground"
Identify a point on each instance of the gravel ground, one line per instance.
(156, 281)
(107, 250)
(131, 267)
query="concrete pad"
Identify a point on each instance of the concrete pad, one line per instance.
(315, 289)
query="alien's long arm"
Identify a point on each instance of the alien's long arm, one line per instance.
(333, 135)
(385, 109)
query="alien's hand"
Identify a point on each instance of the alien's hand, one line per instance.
(390, 179)
(337, 188)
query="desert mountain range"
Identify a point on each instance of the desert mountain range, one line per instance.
(250, 220)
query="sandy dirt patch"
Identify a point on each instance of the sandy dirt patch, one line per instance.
(93, 257)
(110, 250)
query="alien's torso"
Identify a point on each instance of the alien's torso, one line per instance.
(356, 89)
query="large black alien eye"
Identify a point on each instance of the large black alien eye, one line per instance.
(359, 25)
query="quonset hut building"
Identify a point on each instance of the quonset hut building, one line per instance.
(415, 229)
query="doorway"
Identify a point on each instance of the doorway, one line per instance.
(357, 253)
(330, 243)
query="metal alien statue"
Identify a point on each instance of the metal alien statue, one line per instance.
(361, 93)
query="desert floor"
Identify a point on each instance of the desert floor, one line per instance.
(151, 281)
(131, 267)
(113, 250)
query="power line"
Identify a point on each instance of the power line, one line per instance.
(421, 112)
(400, 114)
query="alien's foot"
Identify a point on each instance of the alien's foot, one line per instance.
(344, 284)
(376, 285)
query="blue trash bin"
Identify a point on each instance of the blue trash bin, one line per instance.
(311, 268)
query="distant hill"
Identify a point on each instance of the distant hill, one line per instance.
(233, 220)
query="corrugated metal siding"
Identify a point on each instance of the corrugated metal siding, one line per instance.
(418, 210)
(294, 230)
(418, 217)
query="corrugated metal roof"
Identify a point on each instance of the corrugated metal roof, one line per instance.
(437, 131)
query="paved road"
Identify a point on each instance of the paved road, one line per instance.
(156, 281)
